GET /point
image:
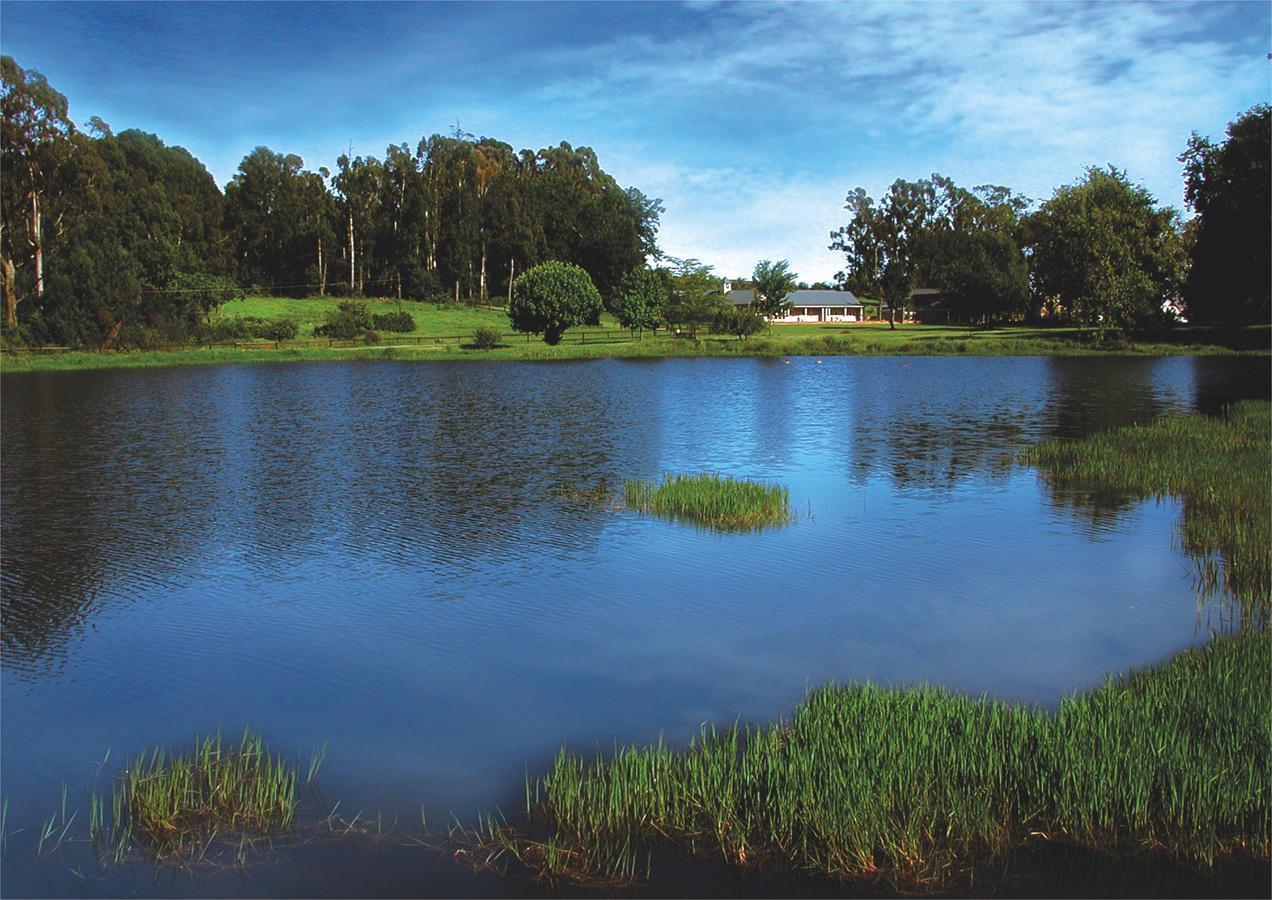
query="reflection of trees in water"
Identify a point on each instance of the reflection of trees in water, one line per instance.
(1219, 381)
(121, 485)
(105, 479)
(1086, 395)
(931, 423)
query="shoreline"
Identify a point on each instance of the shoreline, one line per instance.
(907, 340)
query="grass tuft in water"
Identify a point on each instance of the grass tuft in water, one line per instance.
(175, 803)
(919, 787)
(717, 501)
(1219, 466)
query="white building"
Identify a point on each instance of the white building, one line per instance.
(810, 306)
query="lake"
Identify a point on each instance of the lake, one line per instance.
(386, 557)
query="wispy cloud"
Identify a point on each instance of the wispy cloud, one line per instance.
(751, 120)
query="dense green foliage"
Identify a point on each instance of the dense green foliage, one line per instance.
(639, 303)
(740, 321)
(400, 322)
(1219, 466)
(552, 297)
(772, 281)
(694, 298)
(932, 233)
(1229, 186)
(921, 786)
(721, 502)
(1106, 252)
(486, 338)
(100, 234)
(350, 319)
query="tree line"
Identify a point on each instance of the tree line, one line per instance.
(105, 237)
(1101, 251)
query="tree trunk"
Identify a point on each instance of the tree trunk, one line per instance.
(37, 244)
(482, 289)
(10, 294)
(109, 340)
(512, 271)
(351, 254)
(322, 273)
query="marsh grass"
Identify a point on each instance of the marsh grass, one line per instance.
(1220, 467)
(176, 806)
(918, 787)
(716, 501)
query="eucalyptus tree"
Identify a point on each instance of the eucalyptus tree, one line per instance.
(356, 182)
(35, 148)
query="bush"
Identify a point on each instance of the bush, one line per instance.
(348, 320)
(552, 297)
(282, 330)
(370, 338)
(742, 321)
(486, 338)
(398, 321)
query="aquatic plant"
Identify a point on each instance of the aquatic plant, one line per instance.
(1219, 466)
(918, 786)
(174, 803)
(723, 502)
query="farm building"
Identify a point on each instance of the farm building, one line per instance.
(811, 306)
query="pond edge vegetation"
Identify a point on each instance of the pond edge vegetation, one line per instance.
(917, 788)
(721, 502)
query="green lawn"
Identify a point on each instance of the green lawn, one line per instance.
(445, 330)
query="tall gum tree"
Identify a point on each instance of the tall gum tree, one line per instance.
(35, 142)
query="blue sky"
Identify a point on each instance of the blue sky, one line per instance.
(751, 121)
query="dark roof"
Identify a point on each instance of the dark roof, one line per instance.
(802, 298)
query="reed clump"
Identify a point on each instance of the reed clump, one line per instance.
(1219, 466)
(917, 787)
(177, 802)
(716, 501)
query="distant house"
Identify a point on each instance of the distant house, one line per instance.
(811, 306)
(932, 306)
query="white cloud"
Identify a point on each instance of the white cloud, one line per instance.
(1025, 95)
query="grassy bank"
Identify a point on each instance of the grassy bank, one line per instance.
(919, 786)
(721, 502)
(1219, 466)
(447, 334)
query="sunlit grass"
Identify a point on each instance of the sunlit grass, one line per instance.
(722, 502)
(918, 786)
(176, 804)
(1221, 467)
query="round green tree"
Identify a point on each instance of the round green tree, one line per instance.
(552, 297)
(640, 300)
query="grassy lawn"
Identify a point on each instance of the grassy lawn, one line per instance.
(446, 328)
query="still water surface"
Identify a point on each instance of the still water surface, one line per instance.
(382, 556)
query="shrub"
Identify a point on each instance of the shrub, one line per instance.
(282, 330)
(370, 338)
(348, 320)
(486, 338)
(398, 321)
(742, 321)
(552, 297)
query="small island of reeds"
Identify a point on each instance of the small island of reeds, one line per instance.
(173, 805)
(716, 501)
